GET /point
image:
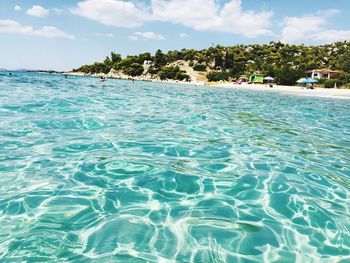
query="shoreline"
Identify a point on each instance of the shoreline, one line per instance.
(291, 90)
(286, 90)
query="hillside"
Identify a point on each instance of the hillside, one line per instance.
(286, 63)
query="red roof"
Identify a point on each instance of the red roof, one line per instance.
(324, 71)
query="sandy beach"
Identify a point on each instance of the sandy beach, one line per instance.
(291, 90)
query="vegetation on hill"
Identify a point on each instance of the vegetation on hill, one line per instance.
(200, 67)
(172, 73)
(286, 63)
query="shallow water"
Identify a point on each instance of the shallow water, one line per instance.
(144, 172)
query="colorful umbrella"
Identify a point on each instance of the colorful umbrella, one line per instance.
(307, 80)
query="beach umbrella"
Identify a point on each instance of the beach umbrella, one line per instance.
(269, 78)
(311, 80)
(307, 80)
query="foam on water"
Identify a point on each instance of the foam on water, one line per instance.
(144, 172)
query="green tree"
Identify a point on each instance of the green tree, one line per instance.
(174, 55)
(135, 69)
(126, 62)
(160, 59)
(286, 75)
(228, 62)
(172, 73)
(237, 69)
(108, 64)
(168, 72)
(344, 62)
(218, 61)
(115, 57)
(217, 76)
(144, 56)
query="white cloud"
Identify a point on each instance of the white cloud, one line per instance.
(13, 27)
(300, 28)
(193, 13)
(203, 15)
(38, 11)
(17, 8)
(52, 32)
(183, 35)
(208, 15)
(146, 36)
(111, 12)
(312, 28)
(10, 26)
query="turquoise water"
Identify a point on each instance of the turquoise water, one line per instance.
(142, 172)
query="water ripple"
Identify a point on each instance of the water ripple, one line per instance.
(142, 172)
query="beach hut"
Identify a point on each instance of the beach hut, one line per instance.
(324, 73)
(256, 78)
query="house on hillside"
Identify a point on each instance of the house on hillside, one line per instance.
(324, 74)
(256, 78)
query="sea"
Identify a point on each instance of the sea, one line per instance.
(125, 171)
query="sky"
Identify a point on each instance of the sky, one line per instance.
(65, 34)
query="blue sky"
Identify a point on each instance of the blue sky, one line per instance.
(61, 35)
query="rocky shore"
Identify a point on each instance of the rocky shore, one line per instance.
(115, 74)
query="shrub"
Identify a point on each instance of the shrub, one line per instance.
(191, 63)
(173, 73)
(345, 76)
(134, 69)
(200, 67)
(181, 75)
(168, 72)
(286, 75)
(330, 83)
(152, 70)
(97, 67)
(346, 86)
(217, 76)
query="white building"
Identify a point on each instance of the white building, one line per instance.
(324, 73)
